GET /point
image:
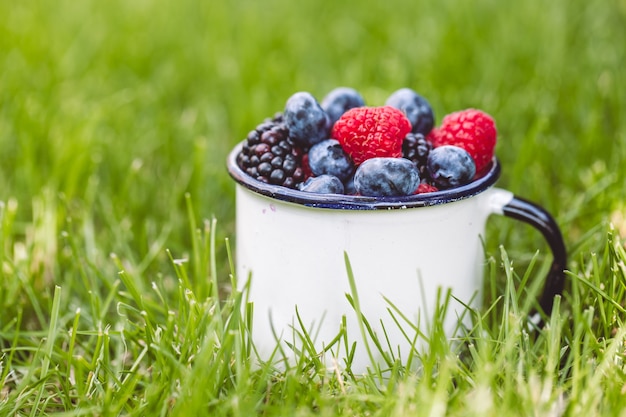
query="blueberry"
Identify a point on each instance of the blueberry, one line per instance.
(340, 100)
(386, 177)
(348, 186)
(450, 166)
(328, 157)
(324, 184)
(307, 122)
(416, 108)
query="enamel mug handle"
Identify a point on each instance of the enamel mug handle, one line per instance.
(507, 204)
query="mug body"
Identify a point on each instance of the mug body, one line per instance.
(403, 261)
(405, 254)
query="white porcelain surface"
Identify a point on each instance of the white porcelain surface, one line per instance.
(295, 254)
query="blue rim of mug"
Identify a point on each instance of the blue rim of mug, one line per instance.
(354, 202)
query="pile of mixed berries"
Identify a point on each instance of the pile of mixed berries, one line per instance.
(342, 146)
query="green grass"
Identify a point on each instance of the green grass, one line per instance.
(115, 121)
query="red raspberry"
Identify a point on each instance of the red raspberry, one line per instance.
(472, 130)
(369, 132)
(306, 168)
(425, 188)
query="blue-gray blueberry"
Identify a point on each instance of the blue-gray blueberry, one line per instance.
(386, 177)
(415, 107)
(450, 166)
(307, 122)
(340, 100)
(328, 157)
(324, 184)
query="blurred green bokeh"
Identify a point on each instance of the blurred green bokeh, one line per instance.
(114, 115)
(123, 107)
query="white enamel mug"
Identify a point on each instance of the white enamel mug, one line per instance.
(404, 253)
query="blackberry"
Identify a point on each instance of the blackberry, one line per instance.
(416, 148)
(270, 156)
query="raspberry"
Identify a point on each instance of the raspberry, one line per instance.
(306, 167)
(369, 132)
(425, 187)
(472, 130)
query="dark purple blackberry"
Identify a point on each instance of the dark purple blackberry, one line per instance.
(416, 148)
(268, 154)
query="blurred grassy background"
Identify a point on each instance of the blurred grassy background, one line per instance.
(138, 102)
(111, 113)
